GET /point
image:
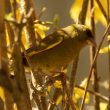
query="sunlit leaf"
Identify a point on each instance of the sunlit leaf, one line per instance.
(18, 1)
(18, 14)
(9, 16)
(2, 96)
(56, 20)
(15, 107)
(59, 100)
(76, 7)
(104, 84)
(58, 84)
(105, 49)
(40, 29)
(79, 92)
(108, 37)
(49, 88)
(7, 37)
(25, 43)
(98, 14)
(103, 106)
(77, 107)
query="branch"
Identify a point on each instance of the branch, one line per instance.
(90, 71)
(102, 9)
(82, 16)
(2, 107)
(92, 54)
(94, 93)
(108, 13)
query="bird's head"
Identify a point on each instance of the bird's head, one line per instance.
(85, 35)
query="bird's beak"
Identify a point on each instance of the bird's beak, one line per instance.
(91, 42)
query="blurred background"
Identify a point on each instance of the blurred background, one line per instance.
(62, 9)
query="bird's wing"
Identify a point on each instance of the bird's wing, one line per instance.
(47, 43)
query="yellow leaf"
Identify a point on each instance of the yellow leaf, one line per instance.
(58, 84)
(59, 100)
(84, 83)
(103, 106)
(49, 88)
(15, 106)
(79, 92)
(7, 37)
(108, 37)
(98, 14)
(24, 40)
(2, 96)
(76, 8)
(18, 1)
(56, 19)
(105, 49)
(40, 29)
(77, 107)
(9, 16)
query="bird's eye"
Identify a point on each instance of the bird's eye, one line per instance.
(89, 33)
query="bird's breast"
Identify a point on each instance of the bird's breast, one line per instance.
(55, 58)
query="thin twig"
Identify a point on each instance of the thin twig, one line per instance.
(2, 107)
(109, 74)
(23, 100)
(95, 93)
(83, 12)
(14, 8)
(57, 93)
(108, 13)
(52, 101)
(92, 54)
(29, 27)
(42, 12)
(19, 82)
(102, 9)
(82, 16)
(73, 76)
(37, 100)
(90, 71)
(36, 96)
(68, 95)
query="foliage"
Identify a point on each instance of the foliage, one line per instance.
(24, 30)
(98, 15)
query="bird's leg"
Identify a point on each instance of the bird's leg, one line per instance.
(56, 75)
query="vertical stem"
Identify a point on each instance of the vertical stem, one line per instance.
(1, 105)
(8, 100)
(20, 89)
(108, 19)
(101, 9)
(4, 75)
(29, 28)
(8, 97)
(13, 8)
(73, 76)
(31, 38)
(90, 71)
(68, 95)
(82, 18)
(83, 12)
(55, 96)
(92, 54)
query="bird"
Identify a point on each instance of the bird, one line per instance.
(58, 49)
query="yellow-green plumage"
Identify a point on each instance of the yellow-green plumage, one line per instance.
(59, 48)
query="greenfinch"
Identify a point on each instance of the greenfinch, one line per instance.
(58, 49)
